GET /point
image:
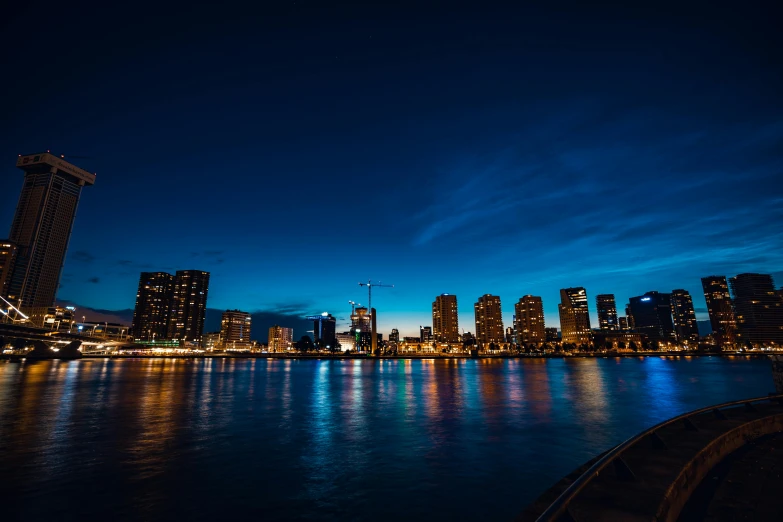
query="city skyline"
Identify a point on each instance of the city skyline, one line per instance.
(523, 159)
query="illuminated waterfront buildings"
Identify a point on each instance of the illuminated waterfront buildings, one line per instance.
(529, 320)
(235, 329)
(394, 336)
(719, 306)
(151, 314)
(574, 316)
(652, 316)
(758, 308)
(41, 229)
(171, 307)
(684, 317)
(607, 312)
(489, 320)
(188, 305)
(281, 339)
(445, 320)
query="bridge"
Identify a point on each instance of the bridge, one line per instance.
(658, 475)
(55, 339)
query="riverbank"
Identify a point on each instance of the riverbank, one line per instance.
(408, 356)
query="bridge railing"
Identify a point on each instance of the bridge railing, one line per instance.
(560, 506)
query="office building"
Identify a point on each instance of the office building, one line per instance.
(720, 308)
(324, 329)
(235, 329)
(188, 305)
(425, 334)
(510, 337)
(346, 341)
(281, 339)
(758, 309)
(622, 322)
(629, 317)
(445, 320)
(153, 305)
(684, 317)
(7, 259)
(529, 320)
(652, 316)
(574, 316)
(41, 229)
(552, 335)
(607, 312)
(394, 336)
(489, 320)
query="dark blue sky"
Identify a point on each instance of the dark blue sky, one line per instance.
(295, 150)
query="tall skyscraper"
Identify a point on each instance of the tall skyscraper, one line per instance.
(529, 320)
(652, 316)
(324, 329)
(684, 317)
(235, 328)
(445, 321)
(719, 306)
(607, 312)
(425, 334)
(281, 339)
(574, 316)
(7, 259)
(42, 228)
(188, 305)
(489, 320)
(153, 306)
(759, 310)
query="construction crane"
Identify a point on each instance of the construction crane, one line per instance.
(369, 284)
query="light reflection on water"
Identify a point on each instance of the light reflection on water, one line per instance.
(161, 439)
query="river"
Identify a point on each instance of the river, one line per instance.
(229, 439)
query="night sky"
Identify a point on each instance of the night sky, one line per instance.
(300, 147)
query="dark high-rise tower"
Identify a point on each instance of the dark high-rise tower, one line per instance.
(652, 316)
(758, 309)
(719, 306)
(607, 312)
(489, 321)
(574, 316)
(153, 303)
(188, 305)
(7, 259)
(324, 329)
(529, 320)
(42, 228)
(445, 321)
(684, 317)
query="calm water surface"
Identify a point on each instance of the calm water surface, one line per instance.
(319, 440)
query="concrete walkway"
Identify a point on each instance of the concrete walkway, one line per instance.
(654, 478)
(746, 486)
